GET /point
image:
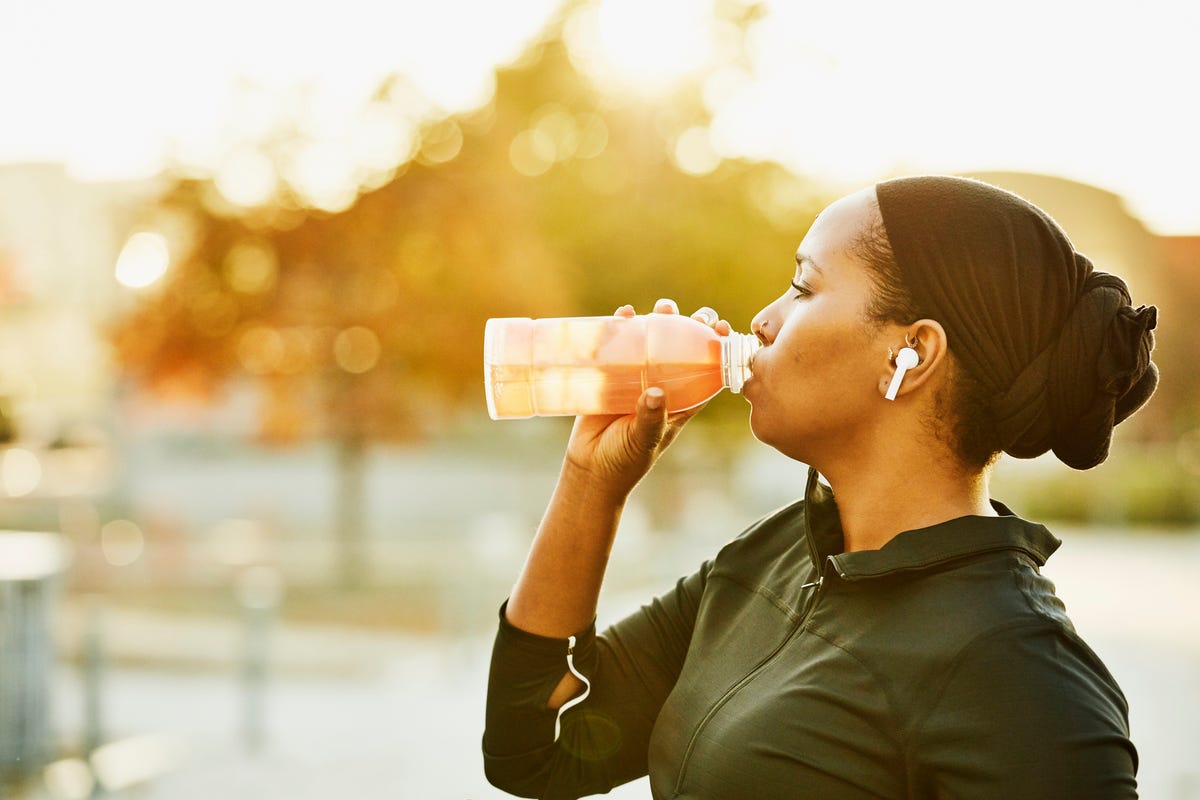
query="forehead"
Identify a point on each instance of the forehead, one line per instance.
(837, 229)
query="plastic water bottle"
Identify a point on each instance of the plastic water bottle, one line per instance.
(601, 365)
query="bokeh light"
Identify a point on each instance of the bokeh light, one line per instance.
(556, 135)
(694, 152)
(246, 177)
(143, 260)
(299, 346)
(593, 135)
(251, 267)
(531, 152)
(385, 137)
(260, 349)
(356, 349)
(20, 472)
(560, 128)
(122, 542)
(441, 142)
(323, 173)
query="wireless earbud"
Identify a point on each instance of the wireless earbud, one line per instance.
(906, 359)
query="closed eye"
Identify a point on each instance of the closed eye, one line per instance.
(802, 291)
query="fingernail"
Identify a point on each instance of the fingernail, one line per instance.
(654, 399)
(710, 317)
(667, 301)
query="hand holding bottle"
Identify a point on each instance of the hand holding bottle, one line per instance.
(555, 594)
(618, 450)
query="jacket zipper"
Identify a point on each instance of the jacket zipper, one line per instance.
(749, 676)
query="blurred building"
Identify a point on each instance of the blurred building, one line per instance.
(59, 239)
(1180, 306)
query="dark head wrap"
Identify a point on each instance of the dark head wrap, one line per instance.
(1056, 341)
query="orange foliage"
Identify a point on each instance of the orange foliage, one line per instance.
(359, 323)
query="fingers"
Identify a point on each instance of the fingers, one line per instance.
(713, 320)
(650, 424)
(668, 306)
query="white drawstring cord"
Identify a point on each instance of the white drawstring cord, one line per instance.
(575, 701)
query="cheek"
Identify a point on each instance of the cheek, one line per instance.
(828, 366)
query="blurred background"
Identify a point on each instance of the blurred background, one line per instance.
(257, 521)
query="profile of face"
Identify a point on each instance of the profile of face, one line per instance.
(816, 382)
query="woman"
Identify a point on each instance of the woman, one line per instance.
(890, 634)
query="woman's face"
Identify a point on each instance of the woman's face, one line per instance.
(815, 383)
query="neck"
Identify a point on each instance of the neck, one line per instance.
(902, 492)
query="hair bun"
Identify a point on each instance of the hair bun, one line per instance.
(1100, 371)
(1095, 374)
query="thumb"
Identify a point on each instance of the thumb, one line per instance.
(650, 425)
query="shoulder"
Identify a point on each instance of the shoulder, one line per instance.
(769, 559)
(765, 538)
(1025, 710)
(1034, 670)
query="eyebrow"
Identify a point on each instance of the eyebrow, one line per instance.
(804, 258)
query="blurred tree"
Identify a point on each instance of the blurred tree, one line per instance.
(357, 326)
(366, 324)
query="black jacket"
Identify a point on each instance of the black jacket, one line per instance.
(940, 666)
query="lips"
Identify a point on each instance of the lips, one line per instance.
(752, 364)
(749, 386)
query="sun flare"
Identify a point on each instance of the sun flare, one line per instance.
(645, 47)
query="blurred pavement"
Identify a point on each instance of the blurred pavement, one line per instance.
(375, 715)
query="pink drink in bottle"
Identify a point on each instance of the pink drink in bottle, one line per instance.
(601, 365)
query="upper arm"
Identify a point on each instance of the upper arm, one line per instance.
(1026, 712)
(632, 667)
(645, 651)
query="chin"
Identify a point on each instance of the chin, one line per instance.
(758, 426)
(772, 436)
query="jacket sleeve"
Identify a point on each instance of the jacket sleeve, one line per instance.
(1028, 711)
(632, 667)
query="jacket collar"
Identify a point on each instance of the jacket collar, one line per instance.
(918, 549)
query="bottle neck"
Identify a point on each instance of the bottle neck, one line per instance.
(737, 351)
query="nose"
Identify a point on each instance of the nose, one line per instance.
(758, 327)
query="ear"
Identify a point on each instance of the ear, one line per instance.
(931, 345)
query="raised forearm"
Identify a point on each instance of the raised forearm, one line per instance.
(555, 594)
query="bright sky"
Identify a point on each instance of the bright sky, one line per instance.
(849, 91)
